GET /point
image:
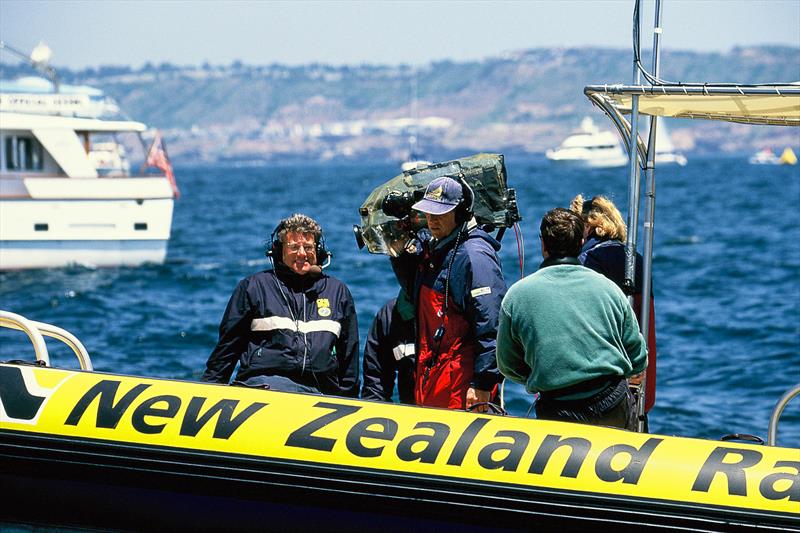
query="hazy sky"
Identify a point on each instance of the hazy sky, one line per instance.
(123, 32)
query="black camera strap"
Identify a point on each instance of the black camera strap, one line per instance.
(438, 335)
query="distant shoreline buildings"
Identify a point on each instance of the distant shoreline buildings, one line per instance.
(519, 103)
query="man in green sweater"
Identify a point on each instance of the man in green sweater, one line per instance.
(570, 334)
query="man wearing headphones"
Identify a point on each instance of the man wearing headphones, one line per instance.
(456, 283)
(292, 328)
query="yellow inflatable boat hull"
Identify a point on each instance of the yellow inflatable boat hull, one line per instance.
(111, 451)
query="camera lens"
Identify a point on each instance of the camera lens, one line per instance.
(397, 204)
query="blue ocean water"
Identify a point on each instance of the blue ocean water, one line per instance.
(726, 278)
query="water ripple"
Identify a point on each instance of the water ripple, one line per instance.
(725, 279)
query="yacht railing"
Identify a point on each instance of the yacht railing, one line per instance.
(35, 331)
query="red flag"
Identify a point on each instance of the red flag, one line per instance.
(157, 158)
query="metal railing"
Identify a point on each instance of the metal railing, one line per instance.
(772, 438)
(36, 330)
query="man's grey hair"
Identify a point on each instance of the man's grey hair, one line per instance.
(299, 223)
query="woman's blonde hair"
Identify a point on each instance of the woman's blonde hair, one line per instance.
(602, 216)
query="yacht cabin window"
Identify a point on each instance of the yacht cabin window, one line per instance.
(23, 153)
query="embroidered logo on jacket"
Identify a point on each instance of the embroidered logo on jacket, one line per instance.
(323, 307)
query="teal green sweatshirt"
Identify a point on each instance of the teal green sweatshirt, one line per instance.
(566, 324)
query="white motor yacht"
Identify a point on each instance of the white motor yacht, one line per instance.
(590, 147)
(67, 195)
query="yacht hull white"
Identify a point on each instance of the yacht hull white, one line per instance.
(21, 255)
(55, 222)
(589, 147)
(587, 161)
(45, 233)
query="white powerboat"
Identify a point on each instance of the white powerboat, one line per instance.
(590, 147)
(67, 195)
(766, 156)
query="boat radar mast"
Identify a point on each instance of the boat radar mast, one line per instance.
(39, 58)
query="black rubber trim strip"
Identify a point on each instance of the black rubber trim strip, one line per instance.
(257, 478)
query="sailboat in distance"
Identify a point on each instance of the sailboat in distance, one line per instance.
(665, 151)
(415, 160)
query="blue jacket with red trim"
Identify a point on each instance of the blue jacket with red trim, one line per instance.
(278, 323)
(457, 316)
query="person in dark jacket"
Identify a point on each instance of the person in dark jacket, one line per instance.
(292, 328)
(603, 251)
(389, 355)
(454, 279)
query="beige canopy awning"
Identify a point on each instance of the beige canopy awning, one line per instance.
(764, 104)
(777, 105)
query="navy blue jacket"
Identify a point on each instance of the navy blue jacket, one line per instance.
(300, 327)
(388, 355)
(607, 256)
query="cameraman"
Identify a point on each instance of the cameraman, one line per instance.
(456, 284)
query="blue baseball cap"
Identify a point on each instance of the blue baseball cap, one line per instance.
(441, 196)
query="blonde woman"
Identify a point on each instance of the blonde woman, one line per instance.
(603, 251)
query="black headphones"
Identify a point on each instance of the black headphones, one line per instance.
(275, 247)
(464, 209)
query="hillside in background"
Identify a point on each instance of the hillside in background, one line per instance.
(524, 102)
